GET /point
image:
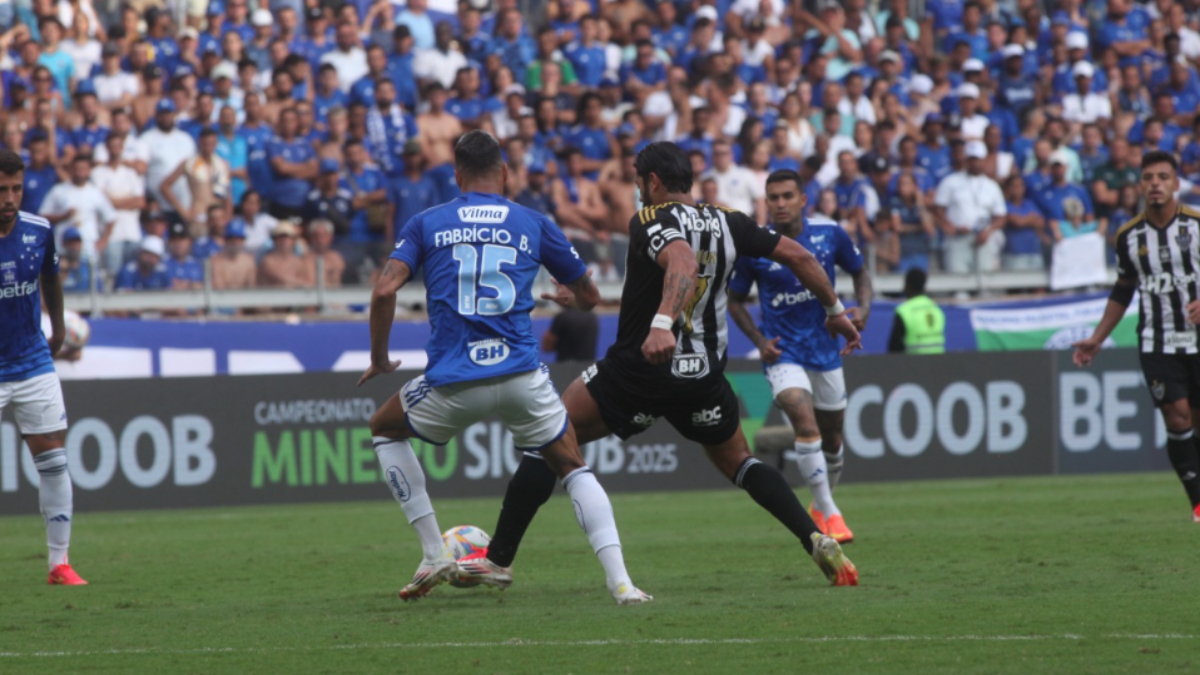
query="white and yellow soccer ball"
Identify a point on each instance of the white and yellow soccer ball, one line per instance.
(462, 541)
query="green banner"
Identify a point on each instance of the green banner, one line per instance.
(1052, 327)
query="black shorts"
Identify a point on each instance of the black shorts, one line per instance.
(707, 413)
(1172, 377)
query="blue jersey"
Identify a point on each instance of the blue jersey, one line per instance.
(790, 311)
(289, 191)
(262, 179)
(37, 185)
(189, 269)
(25, 255)
(481, 254)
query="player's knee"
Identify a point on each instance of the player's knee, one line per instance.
(1177, 417)
(831, 442)
(39, 443)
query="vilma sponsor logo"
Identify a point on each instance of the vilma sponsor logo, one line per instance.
(396, 479)
(483, 214)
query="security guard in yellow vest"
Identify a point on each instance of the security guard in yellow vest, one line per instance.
(920, 325)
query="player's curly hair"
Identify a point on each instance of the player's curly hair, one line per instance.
(667, 161)
(477, 153)
(10, 162)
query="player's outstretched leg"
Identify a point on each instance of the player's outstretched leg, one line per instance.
(55, 497)
(797, 404)
(530, 487)
(594, 512)
(406, 479)
(771, 491)
(829, 424)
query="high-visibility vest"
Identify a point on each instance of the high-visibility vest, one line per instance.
(924, 325)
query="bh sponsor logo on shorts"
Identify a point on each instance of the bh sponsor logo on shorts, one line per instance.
(689, 365)
(399, 484)
(488, 352)
(788, 299)
(707, 418)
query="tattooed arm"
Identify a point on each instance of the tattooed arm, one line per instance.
(679, 283)
(383, 311)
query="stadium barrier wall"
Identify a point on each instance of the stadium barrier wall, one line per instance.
(216, 441)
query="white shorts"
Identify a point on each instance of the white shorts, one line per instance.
(526, 403)
(828, 388)
(37, 404)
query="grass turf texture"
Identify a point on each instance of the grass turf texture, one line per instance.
(1094, 575)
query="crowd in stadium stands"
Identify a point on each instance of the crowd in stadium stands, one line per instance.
(265, 136)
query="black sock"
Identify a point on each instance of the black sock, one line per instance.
(770, 489)
(530, 487)
(1185, 458)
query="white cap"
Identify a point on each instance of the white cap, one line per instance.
(1082, 69)
(154, 244)
(188, 32)
(1060, 156)
(262, 17)
(224, 69)
(967, 90)
(921, 84)
(707, 12)
(889, 55)
(1013, 51)
(1077, 40)
(977, 150)
(973, 66)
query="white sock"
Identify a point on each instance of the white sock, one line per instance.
(812, 466)
(594, 512)
(55, 499)
(834, 464)
(406, 479)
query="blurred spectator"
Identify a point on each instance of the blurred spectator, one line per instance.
(185, 272)
(80, 204)
(1067, 206)
(78, 274)
(410, 193)
(1084, 106)
(126, 191)
(852, 190)
(169, 147)
(330, 199)
(349, 58)
(212, 240)
(970, 209)
(254, 223)
(577, 204)
(912, 222)
(1024, 228)
(40, 174)
(146, 272)
(572, 335)
(439, 62)
(207, 178)
(293, 164)
(320, 239)
(737, 188)
(281, 267)
(232, 267)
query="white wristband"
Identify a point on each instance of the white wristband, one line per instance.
(662, 322)
(837, 308)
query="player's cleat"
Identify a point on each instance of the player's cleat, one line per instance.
(1196, 514)
(829, 557)
(429, 575)
(478, 569)
(628, 594)
(835, 526)
(818, 517)
(63, 575)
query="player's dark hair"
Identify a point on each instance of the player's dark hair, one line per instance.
(10, 162)
(783, 176)
(667, 161)
(1160, 157)
(477, 153)
(914, 282)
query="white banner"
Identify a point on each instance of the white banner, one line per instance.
(1078, 261)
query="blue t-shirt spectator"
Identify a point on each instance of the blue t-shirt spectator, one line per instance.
(1022, 240)
(290, 192)
(130, 278)
(37, 185)
(410, 197)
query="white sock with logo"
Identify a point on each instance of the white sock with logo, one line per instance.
(56, 501)
(812, 466)
(594, 512)
(834, 464)
(406, 479)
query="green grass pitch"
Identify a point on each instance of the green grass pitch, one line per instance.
(1046, 575)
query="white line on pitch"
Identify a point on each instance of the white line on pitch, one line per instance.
(516, 642)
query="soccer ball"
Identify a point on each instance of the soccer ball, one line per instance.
(462, 541)
(78, 332)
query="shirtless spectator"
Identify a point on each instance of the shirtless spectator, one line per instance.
(281, 267)
(209, 182)
(320, 242)
(152, 92)
(438, 128)
(232, 267)
(577, 199)
(619, 191)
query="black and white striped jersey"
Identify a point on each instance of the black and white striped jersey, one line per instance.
(1164, 265)
(718, 237)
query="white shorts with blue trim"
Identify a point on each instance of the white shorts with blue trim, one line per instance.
(526, 403)
(828, 388)
(37, 404)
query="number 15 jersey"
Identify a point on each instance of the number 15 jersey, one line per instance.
(481, 254)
